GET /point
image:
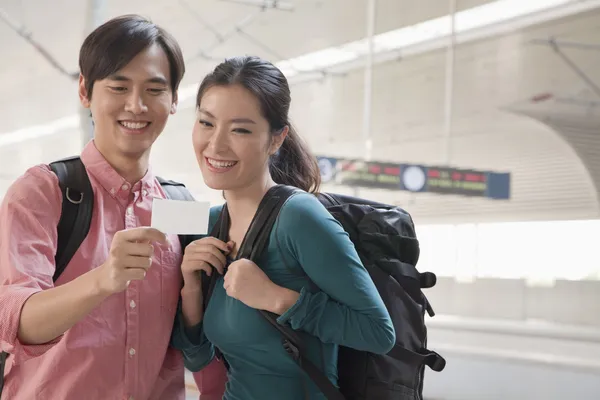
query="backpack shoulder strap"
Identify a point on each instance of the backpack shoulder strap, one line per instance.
(3, 358)
(75, 218)
(77, 208)
(175, 190)
(254, 244)
(220, 231)
(256, 238)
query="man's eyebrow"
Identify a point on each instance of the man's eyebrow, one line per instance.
(123, 78)
(119, 78)
(159, 80)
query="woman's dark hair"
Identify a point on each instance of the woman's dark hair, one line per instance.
(115, 43)
(293, 164)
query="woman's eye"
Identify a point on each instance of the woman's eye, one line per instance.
(205, 123)
(242, 130)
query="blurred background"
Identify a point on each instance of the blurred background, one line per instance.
(481, 118)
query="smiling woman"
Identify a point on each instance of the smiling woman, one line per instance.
(243, 125)
(245, 146)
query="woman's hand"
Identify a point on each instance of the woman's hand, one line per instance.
(206, 254)
(246, 282)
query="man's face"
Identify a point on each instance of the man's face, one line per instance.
(130, 108)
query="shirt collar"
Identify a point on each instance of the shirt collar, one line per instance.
(97, 166)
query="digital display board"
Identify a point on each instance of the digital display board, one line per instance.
(415, 178)
(453, 181)
(368, 174)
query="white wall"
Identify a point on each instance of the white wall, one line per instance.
(549, 180)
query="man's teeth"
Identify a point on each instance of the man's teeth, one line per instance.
(222, 164)
(134, 125)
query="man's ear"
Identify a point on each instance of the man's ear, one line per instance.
(278, 139)
(175, 103)
(83, 94)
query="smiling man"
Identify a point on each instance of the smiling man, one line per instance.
(101, 331)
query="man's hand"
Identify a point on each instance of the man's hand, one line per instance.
(129, 258)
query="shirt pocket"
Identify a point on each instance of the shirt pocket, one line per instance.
(171, 280)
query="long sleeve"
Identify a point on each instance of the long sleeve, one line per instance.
(28, 219)
(348, 309)
(197, 351)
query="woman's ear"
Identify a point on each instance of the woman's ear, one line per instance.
(277, 139)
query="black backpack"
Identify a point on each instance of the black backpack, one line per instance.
(385, 239)
(76, 215)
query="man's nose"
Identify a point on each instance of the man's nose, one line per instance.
(135, 103)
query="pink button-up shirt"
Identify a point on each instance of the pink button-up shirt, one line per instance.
(120, 350)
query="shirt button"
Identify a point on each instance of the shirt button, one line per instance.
(132, 352)
(112, 191)
(132, 304)
(125, 186)
(145, 192)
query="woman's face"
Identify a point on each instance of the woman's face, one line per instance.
(232, 139)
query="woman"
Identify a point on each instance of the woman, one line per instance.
(245, 145)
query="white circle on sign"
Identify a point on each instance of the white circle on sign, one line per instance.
(326, 168)
(413, 178)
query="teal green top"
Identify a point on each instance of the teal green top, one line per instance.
(344, 309)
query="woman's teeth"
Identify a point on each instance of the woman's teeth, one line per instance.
(221, 164)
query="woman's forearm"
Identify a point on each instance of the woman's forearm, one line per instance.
(282, 299)
(192, 305)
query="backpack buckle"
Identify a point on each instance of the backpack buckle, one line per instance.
(221, 358)
(427, 280)
(434, 361)
(68, 195)
(292, 349)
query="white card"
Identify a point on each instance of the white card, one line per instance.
(180, 217)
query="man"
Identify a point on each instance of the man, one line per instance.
(102, 330)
